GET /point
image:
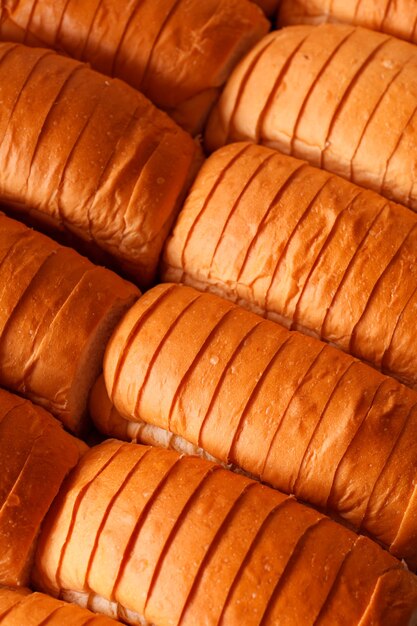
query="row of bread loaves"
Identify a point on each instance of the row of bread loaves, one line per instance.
(129, 520)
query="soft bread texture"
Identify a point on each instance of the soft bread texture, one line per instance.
(109, 422)
(24, 608)
(305, 248)
(35, 456)
(288, 409)
(57, 311)
(180, 540)
(178, 53)
(397, 18)
(342, 97)
(84, 153)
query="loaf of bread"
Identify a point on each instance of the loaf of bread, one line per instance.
(35, 456)
(342, 97)
(179, 540)
(57, 311)
(294, 412)
(90, 155)
(177, 52)
(397, 18)
(21, 607)
(305, 248)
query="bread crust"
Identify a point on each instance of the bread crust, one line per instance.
(10, 597)
(356, 579)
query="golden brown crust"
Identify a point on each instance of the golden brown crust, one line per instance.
(248, 391)
(183, 538)
(63, 309)
(396, 591)
(396, 18)
(36, 454)
(10, 597)
(324, 94)
(305, 248)
(398, 497)
(178, 54)
(353, 587)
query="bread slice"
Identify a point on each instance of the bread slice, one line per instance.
(36, 454)
(284, 408)
(178, 54)
(295, 584)
(390, 409)
(339, 78)
(47, 291)
(351, 599)
(189, 543)
(262, 569)
(249, 88)
(92, 504)
(371, 85)
(396, 497)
